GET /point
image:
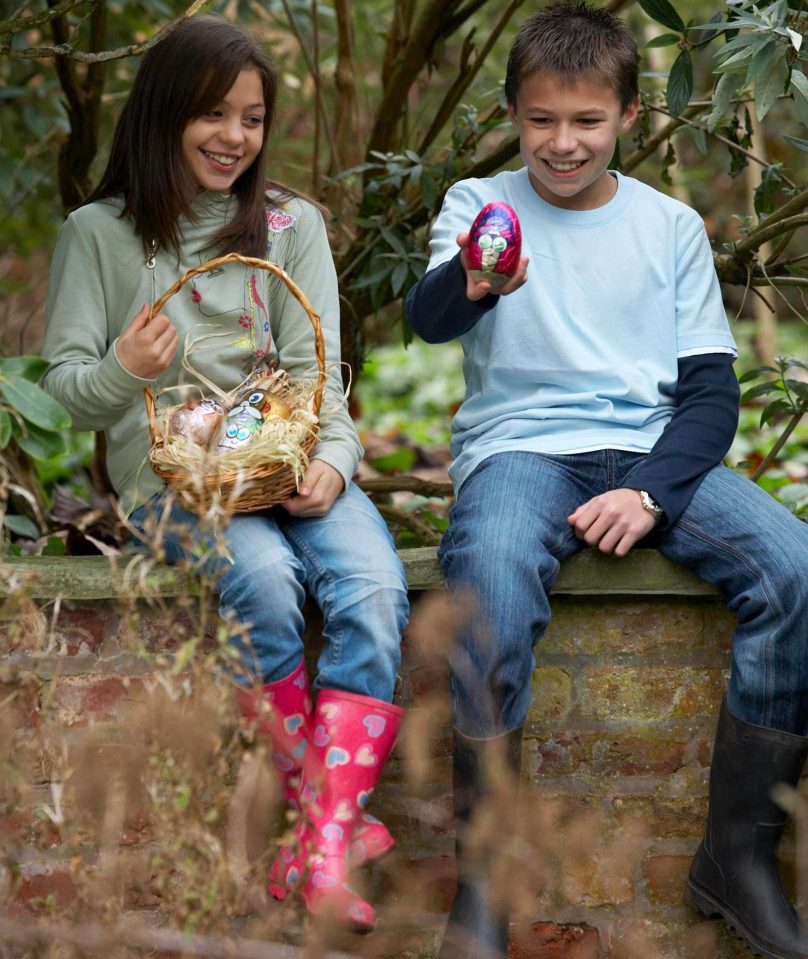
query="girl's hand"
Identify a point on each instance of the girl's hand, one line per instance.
(145, 348)
(321, 485)
(477, 289)
(612, 522)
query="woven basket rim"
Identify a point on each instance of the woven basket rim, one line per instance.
(273, 479)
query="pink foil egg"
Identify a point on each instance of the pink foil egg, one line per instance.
(495, 244)
(197, 420)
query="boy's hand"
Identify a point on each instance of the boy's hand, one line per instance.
(146, 348)
(612, 522)
(321, 485)
(477, 289)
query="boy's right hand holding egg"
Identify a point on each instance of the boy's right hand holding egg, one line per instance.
(490, 252)
(147, 347)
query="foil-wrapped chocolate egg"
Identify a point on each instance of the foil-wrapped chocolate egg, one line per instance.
(197, 421)
(495, 244)
(243, 424)
(246, 420)
(267, 403)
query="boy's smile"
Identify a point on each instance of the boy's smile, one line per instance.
(221, 144)
(567, 135)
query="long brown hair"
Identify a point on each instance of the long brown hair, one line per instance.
(180, 78)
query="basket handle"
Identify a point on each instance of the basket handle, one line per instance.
(294, 289)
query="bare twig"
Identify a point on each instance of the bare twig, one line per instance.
(68, 49)
(407, 484)
(664, 133)
(21, 24)
(314, 70)
(466, 74)
(401, 517)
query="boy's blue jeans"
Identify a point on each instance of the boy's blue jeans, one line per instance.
(347, 561)
(508, 531)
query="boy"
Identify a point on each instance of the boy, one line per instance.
(600, 401)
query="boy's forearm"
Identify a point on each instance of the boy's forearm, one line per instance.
(437, 307)
(696, 439)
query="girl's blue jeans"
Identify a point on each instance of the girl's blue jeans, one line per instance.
(508, 532)
(263, 566)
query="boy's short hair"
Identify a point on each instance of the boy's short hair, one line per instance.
(572, 39)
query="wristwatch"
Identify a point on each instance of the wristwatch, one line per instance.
(651, 505)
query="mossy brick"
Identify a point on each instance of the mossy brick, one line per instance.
(675, 817)
(23, 629)
(84, 700)
(647, 693)
(45, 887)
(587, 628)
(24, 826)
(627, 755)
(719, 625)
(599, 881)
(666, 877)
(560, 753)
(682, 936)
(552, 940)
(159, 629)
(604, 754)
(82, 628)
(552, 695)
(423, 884)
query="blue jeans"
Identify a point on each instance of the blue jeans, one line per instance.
(508, 533)
(262, 568)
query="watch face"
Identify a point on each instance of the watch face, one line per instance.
(650, 504)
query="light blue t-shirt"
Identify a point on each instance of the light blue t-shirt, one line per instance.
(584, 355)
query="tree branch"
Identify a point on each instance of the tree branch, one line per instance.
(653, 143)
(465, 77)
(401, 517)
(407, 484)
(348, 150)
(22, 24)
(792, 208)
(68, 49)
(432, 25)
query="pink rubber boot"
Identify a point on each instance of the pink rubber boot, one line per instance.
(352, 739)
(283, 712)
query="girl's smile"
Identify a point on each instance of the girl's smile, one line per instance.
(567, 135)
(221, 144)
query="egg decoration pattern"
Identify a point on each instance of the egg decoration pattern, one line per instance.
(495, 244)
(247, 417)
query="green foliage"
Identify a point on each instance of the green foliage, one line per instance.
(32, 421)
(789, 395)
(28, 415)
(783, 390)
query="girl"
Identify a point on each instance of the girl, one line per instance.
(184, 183)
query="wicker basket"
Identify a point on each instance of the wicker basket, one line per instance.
(255, 487)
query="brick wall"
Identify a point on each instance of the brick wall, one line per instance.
(594, 850)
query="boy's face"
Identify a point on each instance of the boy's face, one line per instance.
(567, 135)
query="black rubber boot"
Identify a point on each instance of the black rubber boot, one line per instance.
(734, 872)
(477, 929)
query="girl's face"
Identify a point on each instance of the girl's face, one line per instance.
(221, 144)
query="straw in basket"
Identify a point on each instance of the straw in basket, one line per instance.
(244, 489)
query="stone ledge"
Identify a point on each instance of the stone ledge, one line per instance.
(644, 572)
